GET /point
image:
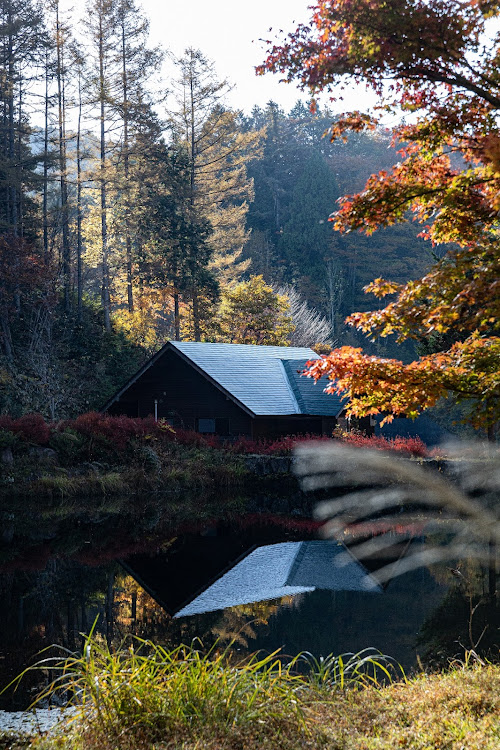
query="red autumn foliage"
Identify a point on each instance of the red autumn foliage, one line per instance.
(118, 431)
(31, 427)
(438, 61)
(412, 446)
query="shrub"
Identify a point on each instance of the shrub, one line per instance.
(68, 444)
(147, 457)
(30, 427)
(412, 446)
(7, 439)
(117, 430)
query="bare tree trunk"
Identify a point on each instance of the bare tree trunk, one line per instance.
(106, 302)
(196, 316)
(177, 318)
(79, 288)
(11, 77)
(46, 165)
(192, 175)
(19, 161)
(6, 333)
(66, 253)
(126, 164)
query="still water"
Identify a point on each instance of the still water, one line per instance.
(254, 571)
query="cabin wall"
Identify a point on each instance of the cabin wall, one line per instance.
(277, 427)
(183, 395)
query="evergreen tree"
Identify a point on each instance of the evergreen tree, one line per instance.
(217, 152)
(22, 51)
(174, 239)
(306, 242)
(101, 27)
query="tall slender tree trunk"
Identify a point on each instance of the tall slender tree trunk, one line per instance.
(79, 286)
(177, 316)
(6, 332)
(66, 253)
(19, 162)
(106, 302)
(46, 165)
(13, 189)
(126, 165)
(192, 176)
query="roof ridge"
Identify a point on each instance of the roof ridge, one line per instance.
(293, 386)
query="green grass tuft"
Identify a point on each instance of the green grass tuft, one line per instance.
(144, 696)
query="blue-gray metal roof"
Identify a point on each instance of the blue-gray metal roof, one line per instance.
(310, 395)
(284, 569)
(263, 378)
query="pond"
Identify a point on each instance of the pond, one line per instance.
(251, 571)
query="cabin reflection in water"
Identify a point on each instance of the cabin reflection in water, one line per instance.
(211, 577)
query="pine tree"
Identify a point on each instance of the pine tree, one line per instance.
(175, 238)
(22, 48)
(218, 151)
(134, 108)
(101, 28)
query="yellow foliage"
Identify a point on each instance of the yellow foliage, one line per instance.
(253, 313)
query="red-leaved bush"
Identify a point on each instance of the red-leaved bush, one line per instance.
(118, 431)
(31, 427)
(412, 446)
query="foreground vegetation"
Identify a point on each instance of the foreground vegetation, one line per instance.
(147, 697)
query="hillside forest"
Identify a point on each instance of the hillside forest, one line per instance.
(135, 209)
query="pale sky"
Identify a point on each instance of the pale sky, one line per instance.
(228, 33)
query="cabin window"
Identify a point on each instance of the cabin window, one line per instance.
(206, 425)
(218, 426)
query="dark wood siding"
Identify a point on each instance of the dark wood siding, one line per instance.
(183, 396)
(276, 427)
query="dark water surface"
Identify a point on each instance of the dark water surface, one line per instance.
(253, 570)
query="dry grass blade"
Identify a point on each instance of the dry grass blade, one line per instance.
(380, 485)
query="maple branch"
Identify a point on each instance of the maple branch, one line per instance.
(457, 79)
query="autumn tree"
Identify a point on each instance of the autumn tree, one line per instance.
(438, 62)
(253, 313)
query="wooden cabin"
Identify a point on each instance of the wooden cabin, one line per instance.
(230, 390)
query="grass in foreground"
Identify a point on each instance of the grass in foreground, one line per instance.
(158, 700)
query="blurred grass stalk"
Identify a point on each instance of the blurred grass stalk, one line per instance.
(370, 485)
